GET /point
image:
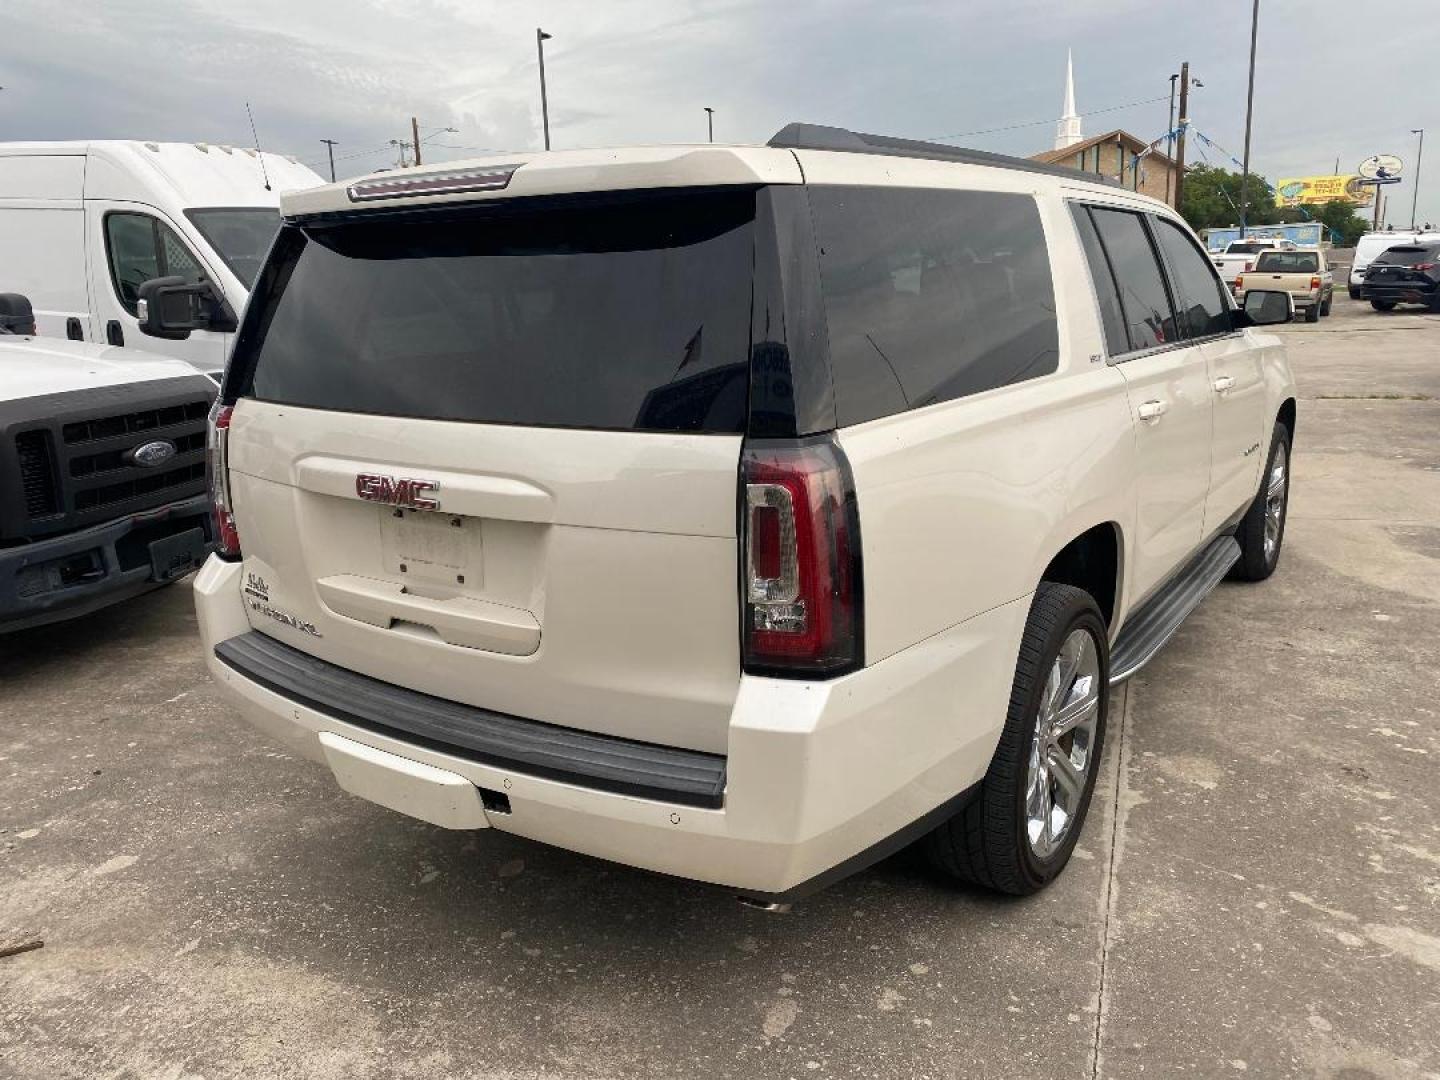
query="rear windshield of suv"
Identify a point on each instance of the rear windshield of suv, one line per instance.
(623, 314)
(1408, 256)
(1288, 262)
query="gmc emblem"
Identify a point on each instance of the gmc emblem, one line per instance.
(389, 490)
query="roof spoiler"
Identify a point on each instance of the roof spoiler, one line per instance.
(821, 137)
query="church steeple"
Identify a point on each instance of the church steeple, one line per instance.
(1067, 131)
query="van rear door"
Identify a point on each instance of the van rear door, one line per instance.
(489, 452)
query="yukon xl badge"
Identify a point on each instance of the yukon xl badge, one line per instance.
(397, 492)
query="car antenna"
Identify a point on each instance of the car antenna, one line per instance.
(258, 152)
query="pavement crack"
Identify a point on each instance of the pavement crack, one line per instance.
(1108, 890)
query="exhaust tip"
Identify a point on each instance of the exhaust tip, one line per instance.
(763, 905)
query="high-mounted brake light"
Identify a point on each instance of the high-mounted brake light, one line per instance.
(452, 182)
(801, 563)
(227, 537)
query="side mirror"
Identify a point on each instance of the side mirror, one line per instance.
(1264, 307)
(169, 308)
(16, 314)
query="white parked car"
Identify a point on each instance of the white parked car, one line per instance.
(1239, 256)
(84, 226)
(102, 473)
(741, 513)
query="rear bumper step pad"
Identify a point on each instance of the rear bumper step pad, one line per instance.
(601, 762)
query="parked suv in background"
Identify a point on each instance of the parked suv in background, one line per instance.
(741, 513)
(102, 473)
(1304, 274)
(1405, 274)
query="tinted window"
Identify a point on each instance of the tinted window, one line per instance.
(140, 248)
(931, 295)
(608, 314)
(1143, 299)
(1408, 256)
(1247, 249)
(1289, 262)
(240, 237)
(1111, 318)
(1204, 311)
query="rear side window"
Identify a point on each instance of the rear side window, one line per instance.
(1149, 320)
(1204, 312)
(1112, 319)
(628, 314)
(931, 295)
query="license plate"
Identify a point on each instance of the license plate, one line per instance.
(175, 556)
(439, 545)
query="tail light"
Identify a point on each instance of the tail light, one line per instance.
(1424, 266)
(800, 559)
(1314, 283)
(1239, 280)
(227, 538)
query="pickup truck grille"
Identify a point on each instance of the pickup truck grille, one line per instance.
(37, 474)
(74, 455)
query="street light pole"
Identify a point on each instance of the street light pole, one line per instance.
(540, 38)
(330, 146)
(1249, 110)
(1170, 137)
(710, 120)
(1419, 154)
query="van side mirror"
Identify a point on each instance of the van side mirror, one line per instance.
(170, 308)
(1266, 307)
(16, 314)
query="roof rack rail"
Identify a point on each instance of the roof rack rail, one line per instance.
(823, 137)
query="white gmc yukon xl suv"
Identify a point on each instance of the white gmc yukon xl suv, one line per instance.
(740, 513)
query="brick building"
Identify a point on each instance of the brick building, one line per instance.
(1115, 155)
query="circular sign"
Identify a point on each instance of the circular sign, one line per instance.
(1380, 167)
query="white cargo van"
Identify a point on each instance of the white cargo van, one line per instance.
(83, 225)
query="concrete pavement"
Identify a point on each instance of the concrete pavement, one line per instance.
(1257, 890)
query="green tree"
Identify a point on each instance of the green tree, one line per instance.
(1212, 198)
(1339, 215)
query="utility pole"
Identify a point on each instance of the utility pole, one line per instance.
(330, 145)
(415, 135)
(710, 119)
(1415, 198)
(1180, 142)
(1170, 138)
(1249, 109)
(540, 38)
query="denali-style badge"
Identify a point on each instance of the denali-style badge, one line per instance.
(397, 491)
(149, 455)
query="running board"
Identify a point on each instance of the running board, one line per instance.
(1146, 632)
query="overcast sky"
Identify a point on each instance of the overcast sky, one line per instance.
(628, 71)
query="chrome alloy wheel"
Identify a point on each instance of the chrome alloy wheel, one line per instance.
(1275, 491)
(1060, 753)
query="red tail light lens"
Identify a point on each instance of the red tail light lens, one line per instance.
(1425, 266)
(1314, 283)
(227, 537)
(801, 564)
(1239, 280)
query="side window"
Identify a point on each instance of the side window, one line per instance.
(142, 247)
(1112, 319)
(1205, 312)
(931, 295)
(1149, 319)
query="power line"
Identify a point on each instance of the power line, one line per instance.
(1038, 123)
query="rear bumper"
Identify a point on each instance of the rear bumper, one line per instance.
(1302, 298)
(78, 573)
(1409, 292)
(819, 777)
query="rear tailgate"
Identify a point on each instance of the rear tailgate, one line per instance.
(492, 456)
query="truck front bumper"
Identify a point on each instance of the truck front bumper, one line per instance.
(818, 779)
(81, 572)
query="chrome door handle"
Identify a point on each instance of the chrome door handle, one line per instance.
(1224, 383)
(1151, 411)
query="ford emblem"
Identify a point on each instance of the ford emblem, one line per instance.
(149, 455)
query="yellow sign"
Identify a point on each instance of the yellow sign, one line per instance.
(1312, 190)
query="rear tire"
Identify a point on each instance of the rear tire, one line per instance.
(1017, 832)
(1312, 313)
(1383, 305)
(1325, 307)
(1262, 530)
